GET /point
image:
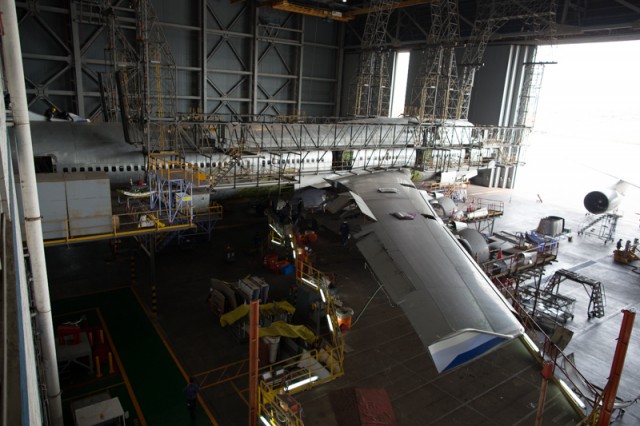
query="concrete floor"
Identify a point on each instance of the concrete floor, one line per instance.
(382, 350)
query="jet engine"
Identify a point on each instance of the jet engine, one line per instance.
(475, 244)
(598, 202)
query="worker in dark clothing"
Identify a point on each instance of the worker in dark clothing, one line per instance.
(344, 232)
(229, 253)
(54, 112)
(191, 394)
(619, 244)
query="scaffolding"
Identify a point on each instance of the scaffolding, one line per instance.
(531, 85)
(597, 298)
(438, 92)
(308, 277)
(437, 77)
(371, 88)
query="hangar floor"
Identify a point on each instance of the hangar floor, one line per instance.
(382, 350)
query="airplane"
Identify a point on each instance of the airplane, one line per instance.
(457, 312)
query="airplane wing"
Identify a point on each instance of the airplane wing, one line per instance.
(455, 309)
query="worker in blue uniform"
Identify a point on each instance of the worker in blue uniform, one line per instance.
(344, 232)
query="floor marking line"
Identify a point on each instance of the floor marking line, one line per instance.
(173, 356)
(136, 406)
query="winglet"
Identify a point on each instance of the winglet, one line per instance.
(462, 347)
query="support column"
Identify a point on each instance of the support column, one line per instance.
(254, 60)
(616, 367)
(77, 59)
(152, 274)
(32, 218)
(204, 55)
(547, 374)
(254, 316)
(300, 68)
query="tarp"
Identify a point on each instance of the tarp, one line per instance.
(266, 308)
(281, 328)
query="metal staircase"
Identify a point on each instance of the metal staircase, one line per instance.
(597, 298)
(235, 156)
(606, 228)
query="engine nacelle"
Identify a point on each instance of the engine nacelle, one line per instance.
(598, 202)
(475, 244)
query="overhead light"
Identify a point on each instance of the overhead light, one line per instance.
(264, 420)
(324, 299)
(311, 283)
(276, 242)
(330, 323)
(300, 383)
(277, 232)
(530, 343)
(571, 394)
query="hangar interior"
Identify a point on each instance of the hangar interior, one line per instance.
(167, 165)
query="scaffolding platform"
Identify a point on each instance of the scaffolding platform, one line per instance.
(597, 297)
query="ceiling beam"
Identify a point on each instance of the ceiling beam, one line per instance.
(308, 10)
(396, 5)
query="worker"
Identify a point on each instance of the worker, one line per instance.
(627, 246)
(54, 112)
(50, 113)
(344, 232)
(619, 244)
(191, 394)
(229, 253)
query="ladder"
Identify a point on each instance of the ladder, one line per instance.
(235, 156)
(597, 302)
(555, 280)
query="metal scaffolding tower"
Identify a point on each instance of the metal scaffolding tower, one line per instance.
(125, 79)
(142, 83)
(438, 93)
(437, 83)
(371, 87)
(159, 80)
(531, 85)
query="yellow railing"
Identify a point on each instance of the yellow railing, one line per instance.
(331, 354)
(171, 165)
(130, 224)
(277, 409)
(312, 367)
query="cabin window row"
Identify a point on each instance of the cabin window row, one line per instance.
(135, 168)
(103, 169)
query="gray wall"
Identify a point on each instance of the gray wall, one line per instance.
(494, 99)
(216, 44)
